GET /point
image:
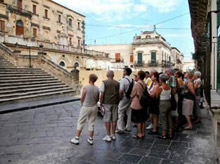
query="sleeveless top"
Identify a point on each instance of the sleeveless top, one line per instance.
(92, 95)
(198, 90)
(165, 94)
(187, 94)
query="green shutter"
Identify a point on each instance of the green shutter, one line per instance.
(140, 58)
(153, 57)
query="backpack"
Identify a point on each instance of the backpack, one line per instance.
(145, 98)
(131, 84)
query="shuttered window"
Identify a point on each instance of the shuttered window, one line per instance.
(117, 57)
(2, 26)
(153, 57)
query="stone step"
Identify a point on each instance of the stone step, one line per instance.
(27, 80)
(32, 93)
(24, 69)
(22, 90)
(29, 83)
(27, 86)
(25, 77)
(37, 96)
(22, 73)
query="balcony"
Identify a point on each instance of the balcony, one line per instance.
(153, 63)
(20, 11)
(139, 64)
(167, 64)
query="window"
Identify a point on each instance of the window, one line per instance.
(34, 32)
(59, 18)
(117, 57)
(140, 58)
(70, 22)
(131, 58)
(19, 4)
(153, 57)
(62, 64)
(19, 28)
(46, 13)
(34, 9)
(78, 25)
(78, 42)
(2, 26)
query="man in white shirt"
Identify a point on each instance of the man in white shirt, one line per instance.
(125, 102)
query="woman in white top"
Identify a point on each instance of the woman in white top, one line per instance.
(165, 107)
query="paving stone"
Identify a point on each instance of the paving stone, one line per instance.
(144, 146)
(159, 147)
(136, 151)
(171, 162)
(159, 154)
(149, 160)
(129, 158)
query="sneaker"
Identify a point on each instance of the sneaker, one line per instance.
(150, 127)
(75, 140)
(107, 138)
(113, 137)
(90, 140)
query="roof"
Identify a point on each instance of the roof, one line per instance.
(66, 8)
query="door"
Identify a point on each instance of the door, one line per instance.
(153, 57)
(140, 58)
(19, 28)
(117, 57)
(19, 4)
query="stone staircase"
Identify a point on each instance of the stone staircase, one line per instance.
(25, 84)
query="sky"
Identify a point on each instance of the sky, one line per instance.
(117, 21)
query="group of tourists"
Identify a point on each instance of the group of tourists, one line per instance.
(169, 99)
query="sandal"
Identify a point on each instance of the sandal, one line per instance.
(162, 137)
(136, 137)
(188, 128)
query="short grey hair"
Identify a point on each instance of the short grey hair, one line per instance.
(163, 77)
(110, 73)
(197, 73)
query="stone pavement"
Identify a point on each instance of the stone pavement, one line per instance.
(42, 136)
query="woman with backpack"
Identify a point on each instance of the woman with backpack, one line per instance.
(138, 113)
(165, 106)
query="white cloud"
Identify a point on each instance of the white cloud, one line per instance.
(116, 10)
(162, 5)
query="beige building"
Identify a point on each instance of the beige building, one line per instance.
(35, 26)
(148, 51)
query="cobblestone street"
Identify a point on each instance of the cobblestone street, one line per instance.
(42, 136)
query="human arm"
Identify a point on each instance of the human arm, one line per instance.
(83, 95)
(191, 88)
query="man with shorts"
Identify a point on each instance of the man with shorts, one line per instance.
(109, 100)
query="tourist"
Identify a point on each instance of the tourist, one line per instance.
(188, 100)
(89, 99)
(137, 110)
(109, 100)
(135, 78)
(197, 86)
(165, 107)
(126, 85)
(148, 80)
(154, 102)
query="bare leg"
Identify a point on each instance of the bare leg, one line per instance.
(91, 134)
(114, 123)
(189, 121)
(78, 133)
(155, 122)
(139, 130)
(108, 126)
(143, 128)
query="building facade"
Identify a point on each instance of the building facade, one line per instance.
(148, 51)
(42, 20)
(35, 26)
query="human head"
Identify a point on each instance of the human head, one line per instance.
(196, 75)
(155, 77)
(168, 73)
(179, 74)
(188, 75)
(110, 74)
(141, 75)
(93, 78)
(163, 78)
(147, 73)
(135, 78)
(127, 71)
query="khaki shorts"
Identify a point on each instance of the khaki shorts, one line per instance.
(110, 112)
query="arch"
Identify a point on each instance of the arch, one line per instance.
(62, 63)
(19, 27)
(76, 65)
